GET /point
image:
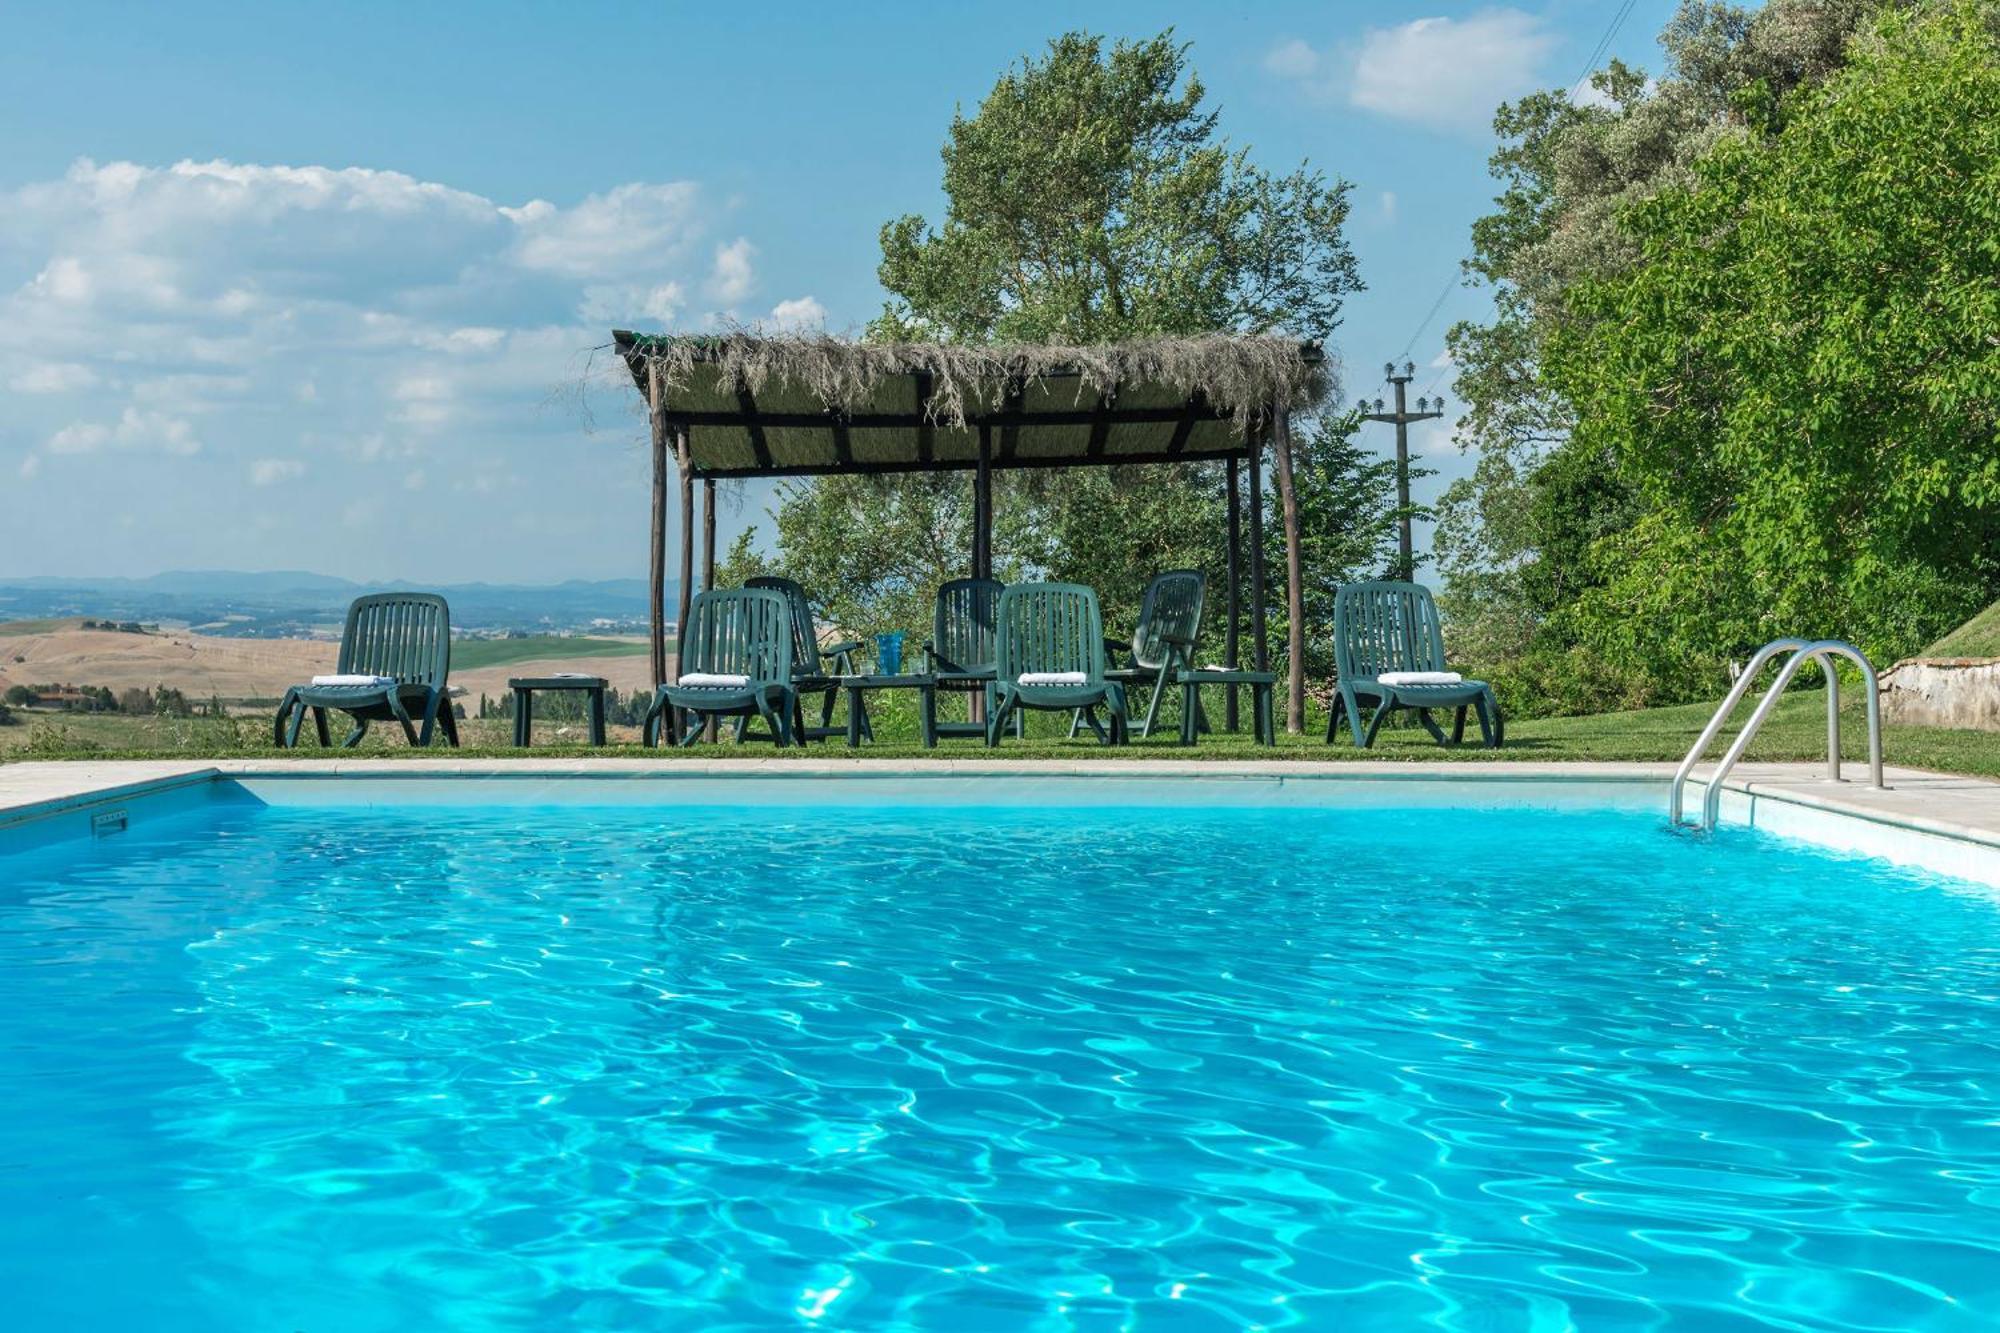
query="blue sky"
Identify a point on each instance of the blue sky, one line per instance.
(301, 287)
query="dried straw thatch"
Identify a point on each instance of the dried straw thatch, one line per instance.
(1240, 375)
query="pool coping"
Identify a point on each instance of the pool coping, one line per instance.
(1961, 808)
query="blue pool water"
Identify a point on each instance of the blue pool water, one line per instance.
(968, 1069)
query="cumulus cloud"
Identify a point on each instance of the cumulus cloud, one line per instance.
(733, 274)
(271, 471)
(216, 322)
(1442, 73)
(154, 432)
(800, 313)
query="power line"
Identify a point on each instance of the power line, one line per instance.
(1597, 52)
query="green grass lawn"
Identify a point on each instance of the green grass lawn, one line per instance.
(472, 654)
(1797, 731)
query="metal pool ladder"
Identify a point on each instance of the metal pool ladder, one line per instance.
(1802, 651)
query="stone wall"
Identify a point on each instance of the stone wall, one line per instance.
(1943, 692)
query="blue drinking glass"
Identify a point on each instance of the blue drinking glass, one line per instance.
(889, 653)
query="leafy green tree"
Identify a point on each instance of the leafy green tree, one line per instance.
(1089, 198)
(1801, 378)
(1569, 173)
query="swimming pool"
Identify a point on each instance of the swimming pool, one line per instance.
(1209, 1060)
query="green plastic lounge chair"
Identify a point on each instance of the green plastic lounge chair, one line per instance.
(735, 661)
(1048, 654)
(1163, 644)
(814, 666)
(395, 658)
(959, 653)
(1386, 642)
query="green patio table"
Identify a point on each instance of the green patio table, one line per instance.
(857, 708)
(1262, 724)
(524, 688)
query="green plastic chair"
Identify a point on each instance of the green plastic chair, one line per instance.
(814, 667)
(1163, 643)
(1382, 628)
(745, 632)
(959, 653)
(404, 636)
(1052, 629)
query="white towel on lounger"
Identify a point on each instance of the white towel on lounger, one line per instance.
(1053, 678)
(715, 678)
(1420, 678)
(354, 679)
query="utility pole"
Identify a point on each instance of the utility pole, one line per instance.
(1427, 410)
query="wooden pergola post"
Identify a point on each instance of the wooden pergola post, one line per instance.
(1260, 649)
(1233, 578)
(982, 508)
(657, 564)
(686, 468)
(708, 534)
(1295, 599)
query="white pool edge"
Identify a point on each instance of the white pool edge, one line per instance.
(1939, 823)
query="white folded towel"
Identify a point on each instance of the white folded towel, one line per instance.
(715, 678)
(353, 679)
(1053, 677)
(1420, 678)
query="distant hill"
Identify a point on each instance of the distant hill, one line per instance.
(297, 603)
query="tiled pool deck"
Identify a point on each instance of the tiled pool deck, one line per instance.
(1937, 821)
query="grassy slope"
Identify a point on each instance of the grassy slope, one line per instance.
(472, 654)
(1977, 637)
(1797, 731)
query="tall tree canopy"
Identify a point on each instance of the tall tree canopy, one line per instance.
(1091, 197)
(1569, 468)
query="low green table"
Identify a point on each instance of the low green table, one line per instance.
(1260, 683)
(857, 686)
(524, 688)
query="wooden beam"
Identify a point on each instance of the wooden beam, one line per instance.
(868, 469)
(687, 545)
(982, 508)
(708, 536)
(754, 424)
(843, 443)
(1197, 407)
(1062, 416)
(926, 430)
(657, 561)
(1295, 602)
(1100, 425)
(1260, 650)
(1010, 417)
(1233, 577)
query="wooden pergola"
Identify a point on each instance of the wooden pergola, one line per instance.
(740, 406)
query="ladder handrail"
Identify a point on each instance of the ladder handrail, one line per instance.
(1744, 681)
(1821, 650)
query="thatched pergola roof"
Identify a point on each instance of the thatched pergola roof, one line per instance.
(809, 404)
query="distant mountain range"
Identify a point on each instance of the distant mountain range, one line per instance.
(289, 603)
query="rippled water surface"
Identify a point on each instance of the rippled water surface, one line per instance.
(967, 1069)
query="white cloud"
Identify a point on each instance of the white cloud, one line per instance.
(1442, 73)
(1451, 74)
(271, 471)
(733, 274)
(1387, 205)
(800, 313)
(53, 377)
(30, 467)
(153, 432)
(207, 319)
(1294, 59)
(607, 235)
